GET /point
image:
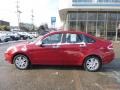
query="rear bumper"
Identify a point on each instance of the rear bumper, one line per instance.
(108, 57)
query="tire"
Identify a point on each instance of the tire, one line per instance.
(21, 62)
(92, 64)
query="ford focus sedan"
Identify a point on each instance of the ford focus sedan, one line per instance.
(62, 48)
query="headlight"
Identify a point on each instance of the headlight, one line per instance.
(11, 48)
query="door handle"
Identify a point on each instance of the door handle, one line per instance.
(82, 45)
(55, 46)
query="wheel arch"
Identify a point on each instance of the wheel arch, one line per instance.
(94, 55)
(21, 54)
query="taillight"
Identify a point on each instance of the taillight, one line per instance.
(110, 46)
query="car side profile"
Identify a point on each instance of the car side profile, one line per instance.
(62, 48)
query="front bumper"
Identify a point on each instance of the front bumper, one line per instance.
(8, 58)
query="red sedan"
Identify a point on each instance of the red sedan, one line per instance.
(62, 48)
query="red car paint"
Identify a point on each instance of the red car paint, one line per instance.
(62, 53)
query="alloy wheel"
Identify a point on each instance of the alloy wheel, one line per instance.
(92, 64)
(21, 61)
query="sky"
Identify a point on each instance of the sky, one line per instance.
(43, 11)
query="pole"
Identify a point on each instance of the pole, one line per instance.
(116, 34)
(32, 19)
(18, 13)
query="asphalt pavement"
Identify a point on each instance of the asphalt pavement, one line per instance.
(59, 77)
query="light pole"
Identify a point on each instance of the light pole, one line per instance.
(18, 13)
(32, 19)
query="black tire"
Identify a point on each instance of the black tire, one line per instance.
(21, 62)
(92, 66)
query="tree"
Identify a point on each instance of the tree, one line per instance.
(43, 29)
(4, 28)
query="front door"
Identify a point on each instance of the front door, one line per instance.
(48, 52)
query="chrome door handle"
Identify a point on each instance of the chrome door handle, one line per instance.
(55, 46)
(82, 45)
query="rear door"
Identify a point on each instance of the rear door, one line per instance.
(71, 49)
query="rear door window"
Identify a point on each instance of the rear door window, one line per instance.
(72, 38)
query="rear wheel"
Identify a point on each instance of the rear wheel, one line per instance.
(92, 64)
(21, 62)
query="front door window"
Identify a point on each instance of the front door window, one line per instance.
(52, 39)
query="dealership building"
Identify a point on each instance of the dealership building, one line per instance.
(97, 17)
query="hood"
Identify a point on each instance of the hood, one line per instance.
(21, 46)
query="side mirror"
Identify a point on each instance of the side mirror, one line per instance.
(39, 43)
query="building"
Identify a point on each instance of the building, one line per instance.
(97, 17)
(4, 25)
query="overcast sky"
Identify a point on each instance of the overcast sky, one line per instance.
(43, 10)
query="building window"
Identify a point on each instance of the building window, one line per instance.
(82, 16)
(112, 16)
(92, 16)
(72, 25)
(118, 16)
(115, 0)
(100, 32)
(109, 1)
(72, 16)
(101, 1)
(111, 27)
(81, 1)
(91, 27)
(81, 26)
(74, 0)
(101, 16)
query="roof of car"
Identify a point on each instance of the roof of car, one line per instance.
(68, 32)
(74, 32)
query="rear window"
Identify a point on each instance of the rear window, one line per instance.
(89, 39)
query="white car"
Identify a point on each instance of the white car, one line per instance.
(26, 34)
(34, 34)
(4, 38)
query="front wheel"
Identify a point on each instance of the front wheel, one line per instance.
(21, 62)
(92, 64)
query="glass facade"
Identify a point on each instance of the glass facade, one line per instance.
(98, 1)
(100, 24)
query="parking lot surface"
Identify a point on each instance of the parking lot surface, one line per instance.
(59, 77)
